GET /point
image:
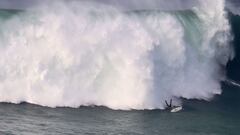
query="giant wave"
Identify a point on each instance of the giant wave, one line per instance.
(90, 53)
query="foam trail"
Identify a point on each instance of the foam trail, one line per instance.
(94, 54)
(232, 82)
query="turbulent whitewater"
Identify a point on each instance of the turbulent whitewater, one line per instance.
(90, 53)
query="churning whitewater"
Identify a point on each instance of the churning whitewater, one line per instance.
(91, 53)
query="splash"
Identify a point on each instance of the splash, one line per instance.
(95, 54)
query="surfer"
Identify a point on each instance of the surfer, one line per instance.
(169, 105)
(173, 108)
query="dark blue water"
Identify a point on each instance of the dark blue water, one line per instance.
(218, 117)
(234, 65)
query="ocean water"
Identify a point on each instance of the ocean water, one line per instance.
(219, 117)
(107, 68)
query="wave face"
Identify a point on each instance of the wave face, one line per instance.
(94, 54)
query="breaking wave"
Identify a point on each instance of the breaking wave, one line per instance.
(70, 54)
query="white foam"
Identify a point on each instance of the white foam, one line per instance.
(68, 55)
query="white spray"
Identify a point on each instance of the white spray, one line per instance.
(93, 54)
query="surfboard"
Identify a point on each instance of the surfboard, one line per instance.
(176, 109)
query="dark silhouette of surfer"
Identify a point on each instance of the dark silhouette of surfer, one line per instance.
(169, 106)
(173, 108)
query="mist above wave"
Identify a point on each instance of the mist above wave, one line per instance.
(120, 4)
